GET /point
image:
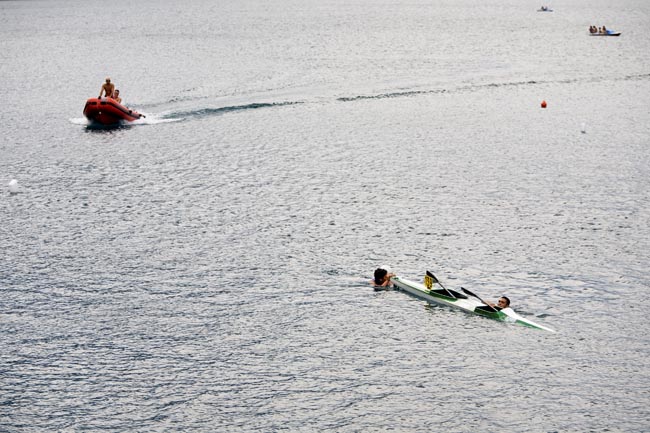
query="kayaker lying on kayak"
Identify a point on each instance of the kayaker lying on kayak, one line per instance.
(382, 278)
(502, 303)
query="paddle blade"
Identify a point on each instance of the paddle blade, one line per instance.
(433, 277)
(488, 307)
(430, 280)
(468, 292)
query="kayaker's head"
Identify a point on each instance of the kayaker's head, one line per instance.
(503, 302)
(108, 80)
(380, 276)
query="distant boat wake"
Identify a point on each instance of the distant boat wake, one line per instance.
(478, 87)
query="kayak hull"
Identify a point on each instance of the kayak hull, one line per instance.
(605, 34)
(469, 305)
(108, 111)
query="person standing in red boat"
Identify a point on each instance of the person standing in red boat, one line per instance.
(107, 88)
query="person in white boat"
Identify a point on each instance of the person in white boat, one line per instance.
(382, 278)
(502, 303)
(107, 88)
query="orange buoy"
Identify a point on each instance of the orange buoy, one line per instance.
(543, 104)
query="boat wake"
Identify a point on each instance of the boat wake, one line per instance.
(177, 115)
(153, 119)
(457, 89)
(479, 87)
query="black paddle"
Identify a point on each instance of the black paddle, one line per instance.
(435, 280)
(477, 297)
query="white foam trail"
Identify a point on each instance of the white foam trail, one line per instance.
(153, 119)
(150, 119)
(80, 121)
(583, 128)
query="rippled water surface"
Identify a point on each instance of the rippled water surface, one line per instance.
(206, 269)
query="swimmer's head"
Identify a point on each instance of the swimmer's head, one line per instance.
(380, 275)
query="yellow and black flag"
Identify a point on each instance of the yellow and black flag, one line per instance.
(430, 280)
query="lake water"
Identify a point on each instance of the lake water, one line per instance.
(206, 269)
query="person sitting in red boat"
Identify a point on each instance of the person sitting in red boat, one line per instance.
(107, 88)
(116, 96)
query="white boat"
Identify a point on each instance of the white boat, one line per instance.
(471, 304)
(609, 33)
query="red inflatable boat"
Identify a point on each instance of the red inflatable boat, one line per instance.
(108, 111)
